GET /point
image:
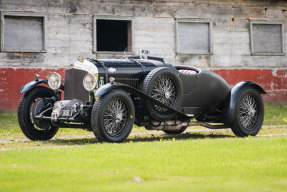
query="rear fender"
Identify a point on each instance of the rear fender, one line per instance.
(230, 103)
(31, 85)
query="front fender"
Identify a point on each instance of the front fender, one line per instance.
(105, 89)
(31, 85)
(234, 95)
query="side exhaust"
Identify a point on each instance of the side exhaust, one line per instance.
(177, 125)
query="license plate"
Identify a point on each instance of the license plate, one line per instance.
(66, 113)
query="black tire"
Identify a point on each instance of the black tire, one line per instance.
(103, 110)
(176, 132)
(249, 113)
(149, 86)
(28, 124)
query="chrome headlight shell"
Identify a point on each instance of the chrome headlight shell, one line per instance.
(90, 82)
(54, 81)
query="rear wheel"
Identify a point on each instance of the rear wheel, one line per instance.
(164, 85)
(249, 113)
(113, 117)
(30, 105)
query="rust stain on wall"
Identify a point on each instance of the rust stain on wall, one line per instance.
(22, 54)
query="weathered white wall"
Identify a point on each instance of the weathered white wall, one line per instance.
(70, 29)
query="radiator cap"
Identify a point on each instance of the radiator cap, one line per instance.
(81, 58)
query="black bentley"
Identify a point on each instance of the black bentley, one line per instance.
(108, 96)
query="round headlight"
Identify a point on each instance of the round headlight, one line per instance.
(54, 81)
(90, 82)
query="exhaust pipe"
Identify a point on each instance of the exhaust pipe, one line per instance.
(177, 125)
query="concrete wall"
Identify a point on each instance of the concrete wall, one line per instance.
(69, 33)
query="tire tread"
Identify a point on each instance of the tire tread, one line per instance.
(96, 115)
(235, 126)
(23, 117)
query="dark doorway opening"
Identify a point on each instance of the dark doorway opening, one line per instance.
(113, 35)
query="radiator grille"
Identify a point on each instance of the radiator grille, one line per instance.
(74, 88)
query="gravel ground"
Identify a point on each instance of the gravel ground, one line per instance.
(269, 131)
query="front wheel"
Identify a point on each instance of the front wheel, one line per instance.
(113, 117)
(249, 113)
(30, 105)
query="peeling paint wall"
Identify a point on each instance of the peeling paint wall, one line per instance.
(272, 80)
(70, 34)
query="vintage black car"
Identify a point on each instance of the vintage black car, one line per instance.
(108, 96)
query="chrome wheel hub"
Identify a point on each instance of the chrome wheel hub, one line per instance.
(119, 117)
(167, 95)
(251, 112)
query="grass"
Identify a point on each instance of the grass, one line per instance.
(199, 159)
(275, 114)
(249, 164)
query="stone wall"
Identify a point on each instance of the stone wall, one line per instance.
(70, 30)
(69, 33)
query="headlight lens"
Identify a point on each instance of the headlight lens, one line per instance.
(90, 82)
(54, 81)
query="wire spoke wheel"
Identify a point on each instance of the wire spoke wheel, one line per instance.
(164, 90)
(164, 85)
(115, 116)
(248, 112)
